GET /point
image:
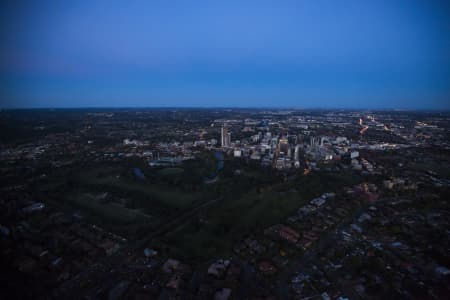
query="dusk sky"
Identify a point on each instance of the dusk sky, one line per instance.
(305, 54)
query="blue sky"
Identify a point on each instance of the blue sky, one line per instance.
(318, 53)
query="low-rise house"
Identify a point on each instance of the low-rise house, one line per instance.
(284, 232)
(170, 266)
(267, 268)
(218, 268)
(222, 294)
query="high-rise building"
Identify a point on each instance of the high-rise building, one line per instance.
(225, 138)
(297, 153)
(283, 145)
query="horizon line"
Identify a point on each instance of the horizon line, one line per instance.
(223, 107)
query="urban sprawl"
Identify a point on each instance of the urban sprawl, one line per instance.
(225, 204)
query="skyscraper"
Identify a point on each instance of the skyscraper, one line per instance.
(297, 153)
(225, 136)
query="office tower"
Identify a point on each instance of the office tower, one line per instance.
(225, 137)
(297, 153)
(283, 145)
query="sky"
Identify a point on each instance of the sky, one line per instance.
(207, 53)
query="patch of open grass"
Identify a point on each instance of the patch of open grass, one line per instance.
(110, 210)
(170, 171)
(157, 194)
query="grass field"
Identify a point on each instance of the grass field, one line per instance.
(155, 194)
(250, 202)
(171, 171)
(111, 211)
